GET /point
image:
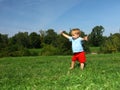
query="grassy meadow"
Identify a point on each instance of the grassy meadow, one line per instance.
(102, 72)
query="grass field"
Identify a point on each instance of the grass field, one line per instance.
(102, 72)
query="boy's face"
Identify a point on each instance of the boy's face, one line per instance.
(75, 35)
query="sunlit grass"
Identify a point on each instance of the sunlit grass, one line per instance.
(102, 72)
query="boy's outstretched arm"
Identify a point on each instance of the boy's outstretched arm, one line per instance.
(65, 35)
(85, 38)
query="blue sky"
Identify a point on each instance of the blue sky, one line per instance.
(34, 15)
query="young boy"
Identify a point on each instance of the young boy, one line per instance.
(78, 52)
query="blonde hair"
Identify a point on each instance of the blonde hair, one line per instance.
(75, 31)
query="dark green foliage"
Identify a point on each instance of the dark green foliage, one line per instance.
(96, 36)
(22, 39)
(42, 37)
(50, 37)
(49, 50)
(48, 41)
(34, 40)
(3, 41)
(86, 46)
(112, 44)
(51, 43)
(63, 45)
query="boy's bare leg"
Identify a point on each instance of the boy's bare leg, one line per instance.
(81, 66)
(72, 64)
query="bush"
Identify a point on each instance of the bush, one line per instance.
(86, 47)
(23, 52)
(3, 53)
(15, 51)
(111, 44)
(48, 50)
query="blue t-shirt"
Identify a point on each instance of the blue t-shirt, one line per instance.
(76, 44)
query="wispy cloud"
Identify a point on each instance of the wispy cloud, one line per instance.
(41, 12)
(46, 11)
(1, 0)
(53, 10)
(32, 14)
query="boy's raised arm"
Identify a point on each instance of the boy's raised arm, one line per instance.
(65, 35)
(85, 38)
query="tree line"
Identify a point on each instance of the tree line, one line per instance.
(50, 43)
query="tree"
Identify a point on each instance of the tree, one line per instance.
(63, 45)
(21, 38)
(42, 36)
(111, 44)
(50, 37)
(35, 40)
(3, 41)
(96, 36)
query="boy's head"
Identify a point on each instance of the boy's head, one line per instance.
(75, 33)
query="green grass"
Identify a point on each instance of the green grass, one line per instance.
(102, 72)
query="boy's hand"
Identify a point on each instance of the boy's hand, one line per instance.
(86, 38)
(61, 32)
(64, 34)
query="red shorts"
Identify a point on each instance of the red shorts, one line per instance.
(80, 56)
